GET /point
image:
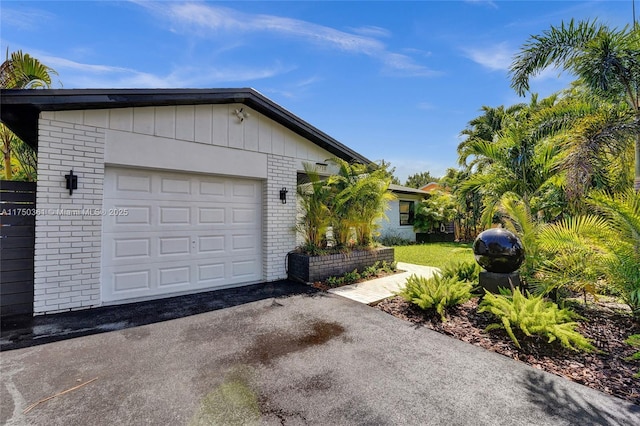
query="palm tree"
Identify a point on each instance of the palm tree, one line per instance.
(515, 159)
(606, 60)
(314, 214)
(360, 197)
(20, 71)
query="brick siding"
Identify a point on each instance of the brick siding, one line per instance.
(318, 268)
(68, 243)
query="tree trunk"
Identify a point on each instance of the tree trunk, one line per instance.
(7, 165)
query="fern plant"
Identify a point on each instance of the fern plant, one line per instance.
(463, 271)
(533, 315)
(634, 340)
(437, 292)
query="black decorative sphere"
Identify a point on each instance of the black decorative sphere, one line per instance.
(498, 250)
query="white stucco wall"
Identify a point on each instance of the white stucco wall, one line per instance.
(204, 139)
(392, 226)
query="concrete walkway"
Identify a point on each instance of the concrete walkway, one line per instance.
(373, 291)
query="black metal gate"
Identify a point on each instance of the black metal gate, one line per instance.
(17, 246)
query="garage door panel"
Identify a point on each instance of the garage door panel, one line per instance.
(179, 276)
(132, 182)
(211, 216)
(243, 216)
(130, 248)
(127, 281)
(244, 190)
(174, 246)
(242, 269)
(135, 215)
(211, 188)
(211, 244)
(174, 216)
(182, 233)
(211, 273)
(173, 186)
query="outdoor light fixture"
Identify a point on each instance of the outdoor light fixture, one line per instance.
(241, 114)
(72, 181)
(283, 195)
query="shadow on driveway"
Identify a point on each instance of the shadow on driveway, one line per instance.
(24, 331)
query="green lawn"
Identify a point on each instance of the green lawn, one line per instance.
(434, 254)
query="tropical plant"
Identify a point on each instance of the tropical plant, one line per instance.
(437, 209)
(359, 198)
(606, 60)
(463, 271)
(515, 159)
(622, 214)
(517, 218)
(576, 256)
(313, 215)
(532, 315)
(634, 340)
(21, 71)
(347, 205)
(468, 204)
(436, 292)
(394, 239)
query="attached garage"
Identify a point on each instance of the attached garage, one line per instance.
(167, 233)
(178, 190)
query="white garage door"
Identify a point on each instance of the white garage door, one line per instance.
(168, 233)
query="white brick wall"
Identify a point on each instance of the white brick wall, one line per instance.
(279, 219)
(67, 250)
(68, 247)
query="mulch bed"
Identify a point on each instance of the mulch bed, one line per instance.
(605, 325)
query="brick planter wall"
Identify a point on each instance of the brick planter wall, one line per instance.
(307, 268)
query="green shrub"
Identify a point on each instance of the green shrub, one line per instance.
(533, 315)
(392, 239)
(388, 267)
(634, 340)
(464, 271)
(437, 292)
(351, 277)
(371, 271)
(335, 281)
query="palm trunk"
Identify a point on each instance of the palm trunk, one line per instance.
(7, 165)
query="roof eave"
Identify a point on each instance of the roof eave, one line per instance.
(21, 109)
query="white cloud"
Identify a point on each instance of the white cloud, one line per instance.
(496, 58)
(75, 74)
(487, 3)
(202, 19)
(426, 106)
(26, 19)
(372, 31)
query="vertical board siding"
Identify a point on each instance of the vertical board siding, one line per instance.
(17, 242)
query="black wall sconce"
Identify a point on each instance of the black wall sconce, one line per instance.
(283, 195)
(72, 181)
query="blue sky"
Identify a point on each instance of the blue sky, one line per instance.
(393, 80)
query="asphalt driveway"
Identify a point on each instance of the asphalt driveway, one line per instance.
(304, 359)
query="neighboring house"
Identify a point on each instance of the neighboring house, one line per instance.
(432, 186)
(401, 212)
(178, 190)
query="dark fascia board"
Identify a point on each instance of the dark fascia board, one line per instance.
(20, 109)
